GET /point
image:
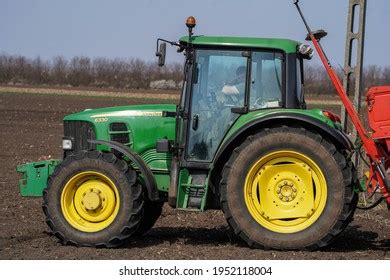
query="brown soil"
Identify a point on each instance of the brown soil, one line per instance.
(31, 127)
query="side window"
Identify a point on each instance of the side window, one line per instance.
(266, 80)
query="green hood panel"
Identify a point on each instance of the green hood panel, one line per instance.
(154, 110)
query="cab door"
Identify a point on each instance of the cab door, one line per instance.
(219, 83)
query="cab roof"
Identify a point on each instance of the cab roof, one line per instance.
(288, 46)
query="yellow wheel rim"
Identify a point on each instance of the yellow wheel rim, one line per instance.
(285, 191)
(90, 201)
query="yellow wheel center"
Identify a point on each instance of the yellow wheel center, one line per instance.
(91, 201)
(285, 191)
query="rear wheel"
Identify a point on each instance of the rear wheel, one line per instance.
(93, 199)
(287, 188)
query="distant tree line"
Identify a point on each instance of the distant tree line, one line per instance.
(81, 71)
(317, 81)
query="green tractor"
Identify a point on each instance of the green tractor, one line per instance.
(240, 140)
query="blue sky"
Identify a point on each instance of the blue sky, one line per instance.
(130, 28)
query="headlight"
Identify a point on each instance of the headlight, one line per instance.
(67, 144)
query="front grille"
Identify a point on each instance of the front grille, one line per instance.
(80, 132)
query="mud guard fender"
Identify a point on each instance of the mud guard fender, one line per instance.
(286, 118)
(147, 174)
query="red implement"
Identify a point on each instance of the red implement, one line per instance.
(378, 106)
(376, 145)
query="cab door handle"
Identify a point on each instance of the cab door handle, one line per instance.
(195, 121)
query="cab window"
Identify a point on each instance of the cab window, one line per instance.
(266, 80)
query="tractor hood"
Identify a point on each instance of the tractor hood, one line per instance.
(98, 115)
(137, 126)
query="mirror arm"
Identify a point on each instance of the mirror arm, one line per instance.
(172, 43)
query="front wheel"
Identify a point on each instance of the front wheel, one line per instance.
(152, 211)
(93, 199)
(287, 188)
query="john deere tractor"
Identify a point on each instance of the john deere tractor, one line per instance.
(240, 139)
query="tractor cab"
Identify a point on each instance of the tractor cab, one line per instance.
(226, 79)
(231, 76)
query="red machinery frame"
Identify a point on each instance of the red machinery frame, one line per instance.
(379, 157)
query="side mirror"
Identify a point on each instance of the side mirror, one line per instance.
(161, 54)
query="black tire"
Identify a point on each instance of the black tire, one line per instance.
(339, 173)
(152, 211)
(130, 209)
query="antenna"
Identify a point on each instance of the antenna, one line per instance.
(296, 3)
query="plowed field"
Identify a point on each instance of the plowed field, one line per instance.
(31, 128)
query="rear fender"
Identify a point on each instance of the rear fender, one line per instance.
(337, 137)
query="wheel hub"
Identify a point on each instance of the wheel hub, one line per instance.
(286, 191)
(91, 200)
